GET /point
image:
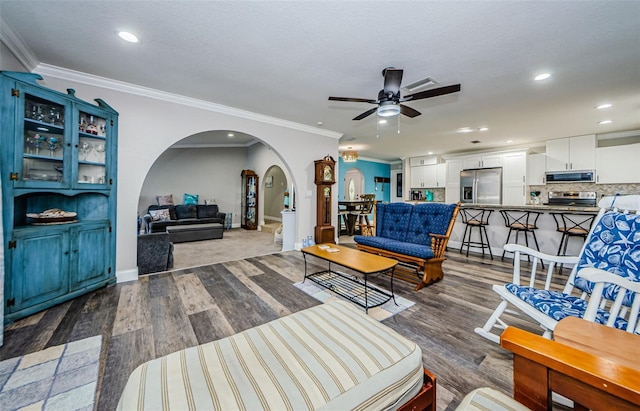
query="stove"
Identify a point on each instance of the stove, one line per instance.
(573, 198)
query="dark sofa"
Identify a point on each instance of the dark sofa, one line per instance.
(183, 215)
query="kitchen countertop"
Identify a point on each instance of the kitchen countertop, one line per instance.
(536, 207)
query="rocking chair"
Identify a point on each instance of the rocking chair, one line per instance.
(604, 284)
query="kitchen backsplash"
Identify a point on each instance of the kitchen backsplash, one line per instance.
(600, 189)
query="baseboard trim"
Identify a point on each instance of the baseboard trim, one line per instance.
(127, 275)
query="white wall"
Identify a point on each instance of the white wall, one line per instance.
(8, 61)
(211, 173)
(150, 122)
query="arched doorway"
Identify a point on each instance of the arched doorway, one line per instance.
(274, 187)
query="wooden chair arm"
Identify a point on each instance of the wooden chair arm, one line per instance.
(542, 366)
(438, 244)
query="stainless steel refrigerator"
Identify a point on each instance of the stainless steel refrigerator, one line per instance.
(481, 186)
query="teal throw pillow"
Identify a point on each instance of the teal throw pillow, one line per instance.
(190, 199)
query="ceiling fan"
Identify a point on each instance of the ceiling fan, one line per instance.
(388, 102)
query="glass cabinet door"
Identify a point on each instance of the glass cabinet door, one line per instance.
(42, 140)
(92, 148)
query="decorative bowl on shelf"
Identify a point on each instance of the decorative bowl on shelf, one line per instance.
(53, 216)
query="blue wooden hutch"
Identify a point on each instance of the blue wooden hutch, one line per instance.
(59, 170)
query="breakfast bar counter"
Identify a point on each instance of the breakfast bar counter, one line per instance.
(547, 234)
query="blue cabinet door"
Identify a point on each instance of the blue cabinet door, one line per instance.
(90, 255)
(40, 267)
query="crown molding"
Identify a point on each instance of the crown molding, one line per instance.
(17, 46)
(213, 145)
(120, 86)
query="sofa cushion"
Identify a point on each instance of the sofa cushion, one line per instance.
(207, 211)
(172, 210)
(160, 215)
(392, 220)
(428, 218)
(186, 211)
(161, 226)
(395, 246)
(165, 200)
(190, 199)
(211, 220)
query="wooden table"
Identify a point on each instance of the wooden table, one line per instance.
(595, 366)
(352, 208)
(351, 287)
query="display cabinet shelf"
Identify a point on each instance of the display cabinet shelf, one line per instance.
(59, 153)
(249, 206)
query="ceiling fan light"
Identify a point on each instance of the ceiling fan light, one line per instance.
(349, 156)
(388, 109)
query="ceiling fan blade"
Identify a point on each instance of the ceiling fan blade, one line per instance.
(392, 80)
(440, 91)
(354, 99)
(408, 111)
(366, 114)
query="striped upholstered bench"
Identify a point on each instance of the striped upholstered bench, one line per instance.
(330, 357)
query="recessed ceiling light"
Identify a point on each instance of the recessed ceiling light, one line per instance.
(464, 130)
(382, 122)
(542, 76)
(603, 106)
(509, 141)
(605, 121)
(430, 152)
(483, 129)
(230, 135)
(130, 37)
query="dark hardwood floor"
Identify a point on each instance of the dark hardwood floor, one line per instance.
(162, 313)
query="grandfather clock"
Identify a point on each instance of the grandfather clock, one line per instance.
(325, 178)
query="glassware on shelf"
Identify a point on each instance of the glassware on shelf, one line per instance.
(83, 124)
(53, 145)
(28, 144)
(91, 127)
(100, 148)
(85, 148)
(38, 140)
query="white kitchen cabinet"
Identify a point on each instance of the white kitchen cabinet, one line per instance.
(417, 176)
(482, 161)
(618, 164)
(423, 161)
(572, 153)
(514, 172)
(536, 166)
(431, 176)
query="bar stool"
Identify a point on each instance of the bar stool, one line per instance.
(572, 224)
(475, 218)
(521, 221)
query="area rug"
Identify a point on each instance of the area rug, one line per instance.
(380, 313)
(63, 377)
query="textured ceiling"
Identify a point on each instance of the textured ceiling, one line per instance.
(284, 59)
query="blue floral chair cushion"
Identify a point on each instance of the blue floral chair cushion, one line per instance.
(614, 246)
(558, 305)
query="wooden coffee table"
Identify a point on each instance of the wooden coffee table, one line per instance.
(353, 288)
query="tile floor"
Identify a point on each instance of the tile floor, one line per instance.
(63, 377)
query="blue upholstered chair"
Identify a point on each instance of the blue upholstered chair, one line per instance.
(604, 284)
